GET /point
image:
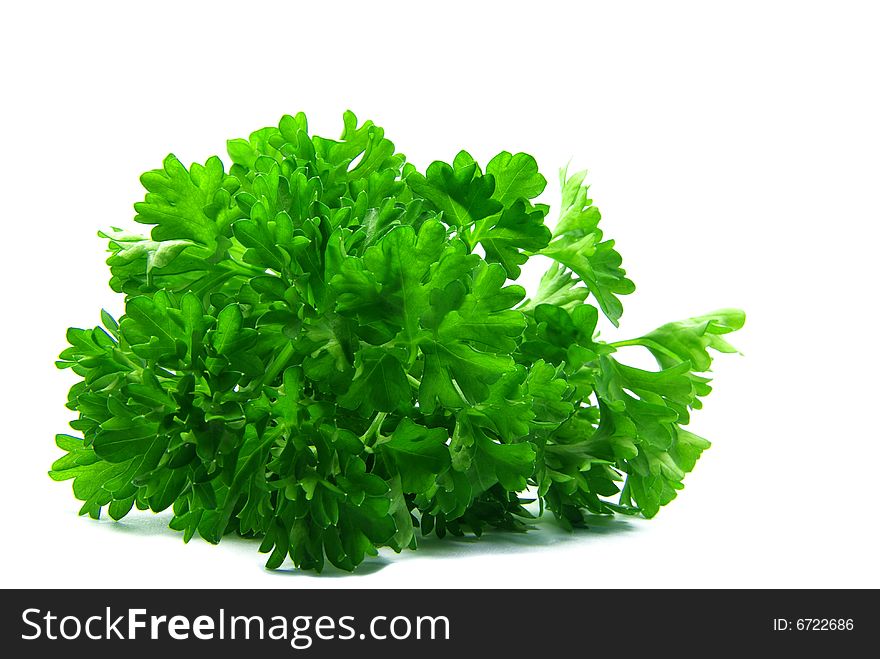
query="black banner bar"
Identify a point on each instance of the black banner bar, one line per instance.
(392, 623)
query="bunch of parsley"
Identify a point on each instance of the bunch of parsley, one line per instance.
(320, 348)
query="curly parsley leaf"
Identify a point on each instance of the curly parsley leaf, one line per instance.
(578, 245)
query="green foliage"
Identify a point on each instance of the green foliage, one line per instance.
(314, 352)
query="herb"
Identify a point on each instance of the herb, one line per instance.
(314, 352)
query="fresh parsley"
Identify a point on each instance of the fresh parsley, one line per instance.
(321, 348)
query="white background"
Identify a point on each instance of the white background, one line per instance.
(733, 150)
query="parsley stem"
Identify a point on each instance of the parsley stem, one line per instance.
(646, 343)
(244, 269)
(277, 365)
(374, 426)
(625, 499)
(121, 356)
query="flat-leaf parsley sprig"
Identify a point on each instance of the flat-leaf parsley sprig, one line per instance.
(321, 348)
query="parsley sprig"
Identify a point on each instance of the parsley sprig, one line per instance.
(321, 348)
